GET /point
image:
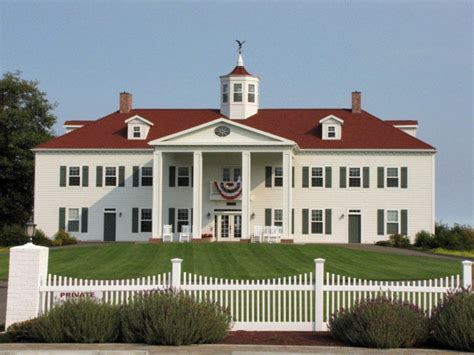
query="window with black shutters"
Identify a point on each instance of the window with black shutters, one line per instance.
(145, 220)
(317, 221)
(147, 176)
(278, 177)
(110, 176)
(317, 179)
(182, 218)
(392, 177)
(73, 220)
(354, 177)
(74, 176)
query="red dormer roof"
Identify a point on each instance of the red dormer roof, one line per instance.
(239, 70)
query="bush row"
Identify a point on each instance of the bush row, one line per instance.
(390, 323)
(12, 235)
(457, 237)
(163, 317)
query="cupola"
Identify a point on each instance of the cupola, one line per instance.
(239, 91)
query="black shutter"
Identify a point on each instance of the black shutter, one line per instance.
(380, 222)
(404, 228)
(172, 176)
(98, 176)
(305, 176)
(85, 176)
(292, 221)
(136, 176)
(135, 220)
(192, 176)
(380, 177)
(171, 218)
(328, 177)
(62, 218)
(404, 177)
(268, 216)
(62, 176)
(342, 176)
(292, 176)
(268, 176)
(366, 176)
(328, 221)
(305, 221)
(121, 176)
(84, 219)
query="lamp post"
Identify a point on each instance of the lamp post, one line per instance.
(30, 229)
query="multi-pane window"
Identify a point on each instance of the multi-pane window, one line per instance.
(237, 174)
(110, 176)
(354, 177)
(184, 178)
(316, 221)
(331, 131)
(278, 179)
(137, 133)
(225, 93)
(317, 179)
(145, 222)
(237, 92)
(392, 222)
(278, 218)
(74, 176)
(229, 174)
(392, 177)
(73, 220)
(251, 93)
(147, 176)
(182, 218)
(226, 174)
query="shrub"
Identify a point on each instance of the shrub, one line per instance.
(384, 243)
(452, 323)
(400, 241)
(11, 235)
(458, 237)
(424, 239)
(40, 238)
(173, 318)
(23, 331)
(63, 238)
(380, 323)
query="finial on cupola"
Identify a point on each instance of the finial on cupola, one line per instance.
(240, 60)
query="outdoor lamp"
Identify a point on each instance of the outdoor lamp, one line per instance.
(30, 229)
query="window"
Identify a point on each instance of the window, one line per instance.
(392, 222)
(251, 93)
(237, 92)
(354, 177)
(110, 176)
(226, 174)
(317, 179)
(183, 176)
(74, 176)
(73, 220)
(331, 131)
(237, 174)
(182, 218)
(278, 218)
(225, 93)
(147, 176)
(231, 174)
(278, 176)
(145, 223)
(317, 221)
(392, 177)
(137, 132)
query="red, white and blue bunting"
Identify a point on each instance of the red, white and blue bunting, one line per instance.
(229, 190)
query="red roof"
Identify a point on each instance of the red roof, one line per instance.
(77, 122)
(360, 131)
(239, 70)
(402, 122)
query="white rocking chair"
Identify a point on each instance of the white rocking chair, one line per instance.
(185, 235)
(266, 234)
(274, 234)
(257, 234)
(167, 233)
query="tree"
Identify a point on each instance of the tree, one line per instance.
(26, 120)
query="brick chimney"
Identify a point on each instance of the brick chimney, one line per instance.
(125, 102)
(356, 102)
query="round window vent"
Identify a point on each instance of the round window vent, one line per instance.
(222, 131)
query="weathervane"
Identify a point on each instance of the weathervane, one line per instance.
(240, 43)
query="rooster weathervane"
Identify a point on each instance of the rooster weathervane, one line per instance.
(240, 44)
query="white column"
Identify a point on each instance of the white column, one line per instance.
(176, 272)
(157, 222)
(28, 270)
(197, 194)
(466, 273)
(319, 295)
(287, 163)
(246, 189)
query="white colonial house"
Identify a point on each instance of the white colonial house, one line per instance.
(323, 175)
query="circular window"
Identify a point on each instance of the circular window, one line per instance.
(222, 131)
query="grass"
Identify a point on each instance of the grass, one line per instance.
(463, 253)
(238, 261)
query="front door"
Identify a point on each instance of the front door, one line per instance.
(109, 226)
(228, 227)
(354, 228)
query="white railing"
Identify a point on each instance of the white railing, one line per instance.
(303, 302)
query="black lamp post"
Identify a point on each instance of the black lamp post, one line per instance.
(30, 229)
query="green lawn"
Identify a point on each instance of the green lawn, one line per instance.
(239, 261)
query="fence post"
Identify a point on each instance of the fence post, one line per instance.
(318, 294)
(466, 274)
(28, 269)
(176, 273)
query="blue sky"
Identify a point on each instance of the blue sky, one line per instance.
(410, 59)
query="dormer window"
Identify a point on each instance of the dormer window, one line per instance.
(251, 93)
(137, 132)
(331, 131)
(331, 127)
(237, 92)
(225, 93)
(137, 127)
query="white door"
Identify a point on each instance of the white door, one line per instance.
(228, 227)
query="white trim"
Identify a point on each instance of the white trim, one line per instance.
(405, 126)
(137, 117)
(331, 117)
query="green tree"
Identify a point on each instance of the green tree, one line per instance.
(26, 120)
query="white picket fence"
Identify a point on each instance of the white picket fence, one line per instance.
(299, 303)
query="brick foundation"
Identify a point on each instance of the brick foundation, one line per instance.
(286, 241)
(155, 240)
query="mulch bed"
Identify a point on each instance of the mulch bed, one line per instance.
(281, 338)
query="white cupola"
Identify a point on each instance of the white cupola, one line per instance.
(239, 92)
